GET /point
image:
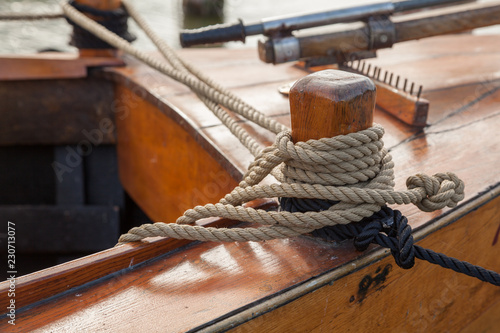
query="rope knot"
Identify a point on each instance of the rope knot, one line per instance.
(438, 191)
(390, 229)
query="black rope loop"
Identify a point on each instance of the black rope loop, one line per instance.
(390, 229)
(115, 20)
(398, 236)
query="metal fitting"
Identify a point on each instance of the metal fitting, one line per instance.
(286, 49)
(382, 32)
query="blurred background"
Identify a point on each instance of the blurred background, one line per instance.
(167, 18)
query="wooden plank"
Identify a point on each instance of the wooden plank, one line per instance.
(219, 279)
(207, 281)
(52, 281)
(352, 38)
(416, 60)
(51, 66)
(39, 286)
(440, 62)
(212, 282)
(405, 107)
(487, 322)
(414, 155)
(63, 229)
(464, 101)
(446, 20)
(57, 112)
(449, 145)
(161, 165)
(385, 297)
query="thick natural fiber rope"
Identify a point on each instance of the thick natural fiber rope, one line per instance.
(178, 63)
(356, 201)
(354, 169)
(210, 93)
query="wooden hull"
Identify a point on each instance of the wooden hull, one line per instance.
(301, 284)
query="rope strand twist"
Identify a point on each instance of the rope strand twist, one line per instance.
(349, 177)
(353, 170)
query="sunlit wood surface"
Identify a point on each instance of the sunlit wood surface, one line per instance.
(300, 284)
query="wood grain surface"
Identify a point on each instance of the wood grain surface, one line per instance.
(405, 107)
(411, 27)
(38, 286)
(384, 297)
(52, 66)
(161, 166)
(210, 283)
(330, 103)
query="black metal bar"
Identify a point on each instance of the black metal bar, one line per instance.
(403, 6)
(285, 24)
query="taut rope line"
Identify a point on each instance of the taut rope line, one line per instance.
(347, 178)
(356, 202)
(353, 169)
(216, 95)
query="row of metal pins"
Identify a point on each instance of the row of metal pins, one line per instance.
(360, 66)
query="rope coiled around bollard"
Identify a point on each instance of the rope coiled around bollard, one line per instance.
(352, 174)
(350, 161)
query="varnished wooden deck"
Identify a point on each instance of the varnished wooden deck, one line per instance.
(300, 284)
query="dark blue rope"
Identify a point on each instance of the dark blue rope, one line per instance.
(390, 229)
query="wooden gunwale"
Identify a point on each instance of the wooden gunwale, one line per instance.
(371, 257)
(481, 194)
(61, 278)
(273, 301)
(51, 66)
(174, 113)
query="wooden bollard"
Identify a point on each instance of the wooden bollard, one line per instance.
(323, 105)
(101, 5)
(330, 103)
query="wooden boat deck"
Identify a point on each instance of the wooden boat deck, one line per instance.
(300, 284)
(472, 75)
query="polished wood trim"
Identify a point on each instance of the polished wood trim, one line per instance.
(486, 322)
(219, 280)
(51, 66)
(405, 107)
(446, 20)
(44, 284)
(161, 165)
(330, 103)
(393, 298)
(410, 109)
